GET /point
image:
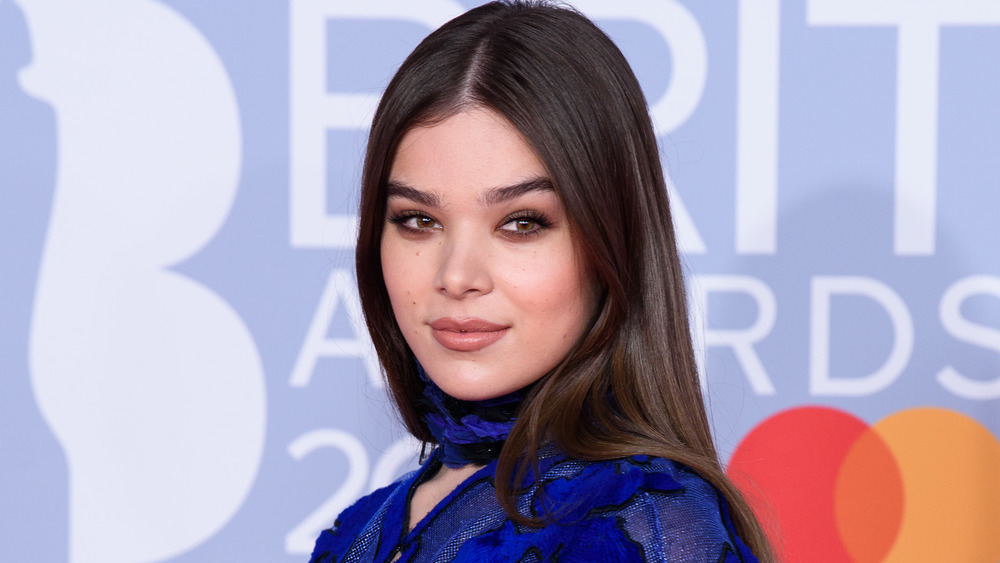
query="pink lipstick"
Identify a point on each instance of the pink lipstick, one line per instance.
(467, 335)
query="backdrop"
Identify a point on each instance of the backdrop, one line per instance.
(184, 375)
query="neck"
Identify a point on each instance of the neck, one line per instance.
(468, 432)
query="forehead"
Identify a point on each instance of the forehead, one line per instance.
(473, 149)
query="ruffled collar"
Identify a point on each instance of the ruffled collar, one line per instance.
(467, 432)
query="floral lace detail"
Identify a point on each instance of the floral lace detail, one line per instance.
(631, 509)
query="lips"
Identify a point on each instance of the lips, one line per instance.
(467, 335)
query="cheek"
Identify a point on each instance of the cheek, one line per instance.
(400, 279)
(555, 285)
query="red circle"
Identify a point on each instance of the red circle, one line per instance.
(788, 468)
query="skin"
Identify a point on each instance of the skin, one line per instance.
(451, 250)
(474, 230)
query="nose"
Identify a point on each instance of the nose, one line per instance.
(464, 269)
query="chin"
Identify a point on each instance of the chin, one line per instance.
(470, 390)
(471, 384)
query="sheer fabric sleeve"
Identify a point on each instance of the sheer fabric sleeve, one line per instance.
(686, 522)
(350, 524)
(628, 510)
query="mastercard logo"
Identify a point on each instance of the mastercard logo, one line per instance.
(922, 484)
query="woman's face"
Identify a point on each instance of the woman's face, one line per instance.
(478, 258)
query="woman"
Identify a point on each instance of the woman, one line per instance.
(520, 279)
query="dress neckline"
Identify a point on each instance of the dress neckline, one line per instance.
(397, 539)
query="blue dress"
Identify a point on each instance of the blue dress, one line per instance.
(632, 509)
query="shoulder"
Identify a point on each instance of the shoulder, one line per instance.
(630, 509)
(663, 506)
(363, 515)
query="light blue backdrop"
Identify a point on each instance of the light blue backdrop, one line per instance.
(182, 373)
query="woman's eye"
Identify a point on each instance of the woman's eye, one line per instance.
(521, 225)
(420, 222)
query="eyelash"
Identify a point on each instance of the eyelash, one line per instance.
(401, 218)
(537, 218)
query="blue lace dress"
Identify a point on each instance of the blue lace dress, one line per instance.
(632, 509)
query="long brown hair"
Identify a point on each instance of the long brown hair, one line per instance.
(630, 385)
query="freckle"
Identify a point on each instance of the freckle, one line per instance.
(414, 302)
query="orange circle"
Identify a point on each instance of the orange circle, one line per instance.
(951, 483)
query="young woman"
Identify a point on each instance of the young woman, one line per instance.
(520, 279)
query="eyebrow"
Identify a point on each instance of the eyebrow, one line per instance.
(399, 189)
(496, 196)
(492, 197)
